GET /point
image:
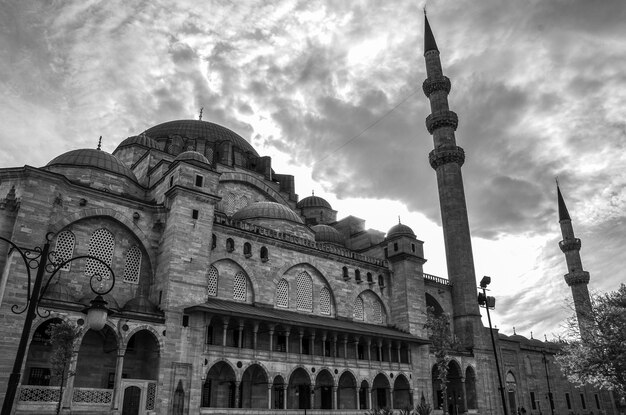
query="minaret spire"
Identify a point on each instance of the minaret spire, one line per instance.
(446, 159)
(576, 278)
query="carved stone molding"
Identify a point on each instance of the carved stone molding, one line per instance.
(570, 245)
(442, 119)
(577, 277)
(439, 157)
(431, 85)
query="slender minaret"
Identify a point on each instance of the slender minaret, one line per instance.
(447, 159)
(576, 277)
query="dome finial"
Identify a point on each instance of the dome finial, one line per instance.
(312, 192)
(514, 333)
(200, 116)
(99, 143)
(399, 222)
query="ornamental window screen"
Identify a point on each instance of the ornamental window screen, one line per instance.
(376, 312)
(282, 293)
(212, 283)
(101, 246)
(358, 308)
(133, 265)
(240, 287)
(65, 248)
(304, 291)
(324, 301)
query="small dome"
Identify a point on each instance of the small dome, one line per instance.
(313, 201)
(400, 230)
(141, 139)
(325, 233)
(192, 156)
(112, 303)
(267, 210)
(89, 157)
(57, 291)
(140, 304)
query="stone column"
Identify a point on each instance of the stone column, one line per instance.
(207, 322)
(117, 385)
(237, 394)
(356, 349)
(335, 346)
(390, 397)
(271, 331)
(380, 350)
(389, 347)
(312, 345)
(335, 397)
(270, 387)
(465, 394)
(323, 346)
(301, 333)
(240, 339)
(369, 349)
(285, 389)
(358, 400)
(398, 347)
(225, 331)
(68, 391)
(345, 347)
(255, 332)
(287, 333)
(368, 391)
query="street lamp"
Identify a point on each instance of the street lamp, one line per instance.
(490, 302)
(43, 260)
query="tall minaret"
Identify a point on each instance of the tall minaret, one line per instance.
(576, 277)
(447, 159)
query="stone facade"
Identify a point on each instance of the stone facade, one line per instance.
(232, 296)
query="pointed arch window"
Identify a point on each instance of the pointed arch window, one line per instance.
(240, 287)
(132, 266)
(377, 316)
(324, 301)
(304, 291)
(282, 293)
(358, 308)
(212, 281)
(101, 245)
(65, 248)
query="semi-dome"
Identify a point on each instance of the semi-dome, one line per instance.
(267, 210)
(400, 230)
(326, 233)
(89, 157)
(141, 139)
(313, 201)
(196, 129)
(192, 156)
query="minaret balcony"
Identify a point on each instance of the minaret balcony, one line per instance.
(442, 119)
(576, 277)
(439, 157)
(567, 245)
(431, 85)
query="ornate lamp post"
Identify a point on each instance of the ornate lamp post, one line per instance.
(43, 260)
(487, 303)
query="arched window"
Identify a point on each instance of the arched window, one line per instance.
(370, 279)
(65, 248)
(101, 245)
(240, 287)
(212, 281)
(381, 281)
(357, 275)
(264, 254)
(282, 293)
(247, 250)
(377, 316)
(358, 308)
(132, 265)
(213, 242)
(324, 301)
(230, 245)
(346, 276)
(304, 291)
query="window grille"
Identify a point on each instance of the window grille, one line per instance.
(65, 248)
(325, 301)
(101, 245)
(240, 287)
(376, 312)
(229, 203)
(133, 265)
(304, 291)
(282, 293)
(212, 283)
(358, 308)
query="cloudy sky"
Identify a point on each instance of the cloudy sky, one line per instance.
(332, 91)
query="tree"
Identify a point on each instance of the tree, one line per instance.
(438, 326)
(63, 337)
(599, 357)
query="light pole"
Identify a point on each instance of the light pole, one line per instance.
(545, 363)
(487, 303)
(42, 260)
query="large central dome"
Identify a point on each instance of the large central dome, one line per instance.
(196, 129)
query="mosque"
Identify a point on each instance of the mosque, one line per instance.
(227, 294)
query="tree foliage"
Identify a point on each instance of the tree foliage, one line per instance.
(598, 357)
(63, 337)
(438, 326)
